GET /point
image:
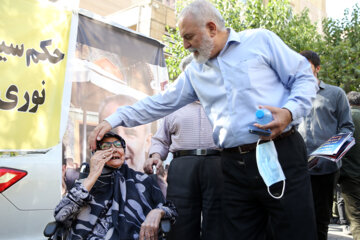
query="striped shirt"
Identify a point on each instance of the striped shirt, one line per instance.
(187, 128)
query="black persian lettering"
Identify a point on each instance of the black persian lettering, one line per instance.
(25, 107)
(4, 105)
(37, 56)
(37, 100)
(15, 51)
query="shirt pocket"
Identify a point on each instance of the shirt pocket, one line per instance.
(241, 73)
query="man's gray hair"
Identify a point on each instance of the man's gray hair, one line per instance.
(185, 62)
(203, 12)
(354, 98)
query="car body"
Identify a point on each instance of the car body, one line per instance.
(28, 205)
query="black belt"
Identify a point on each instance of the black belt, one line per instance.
(196, 152)
(252, 146)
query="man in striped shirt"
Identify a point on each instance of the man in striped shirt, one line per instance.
(194, 178)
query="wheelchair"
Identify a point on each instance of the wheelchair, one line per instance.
(57, 231)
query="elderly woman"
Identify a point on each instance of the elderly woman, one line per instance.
(113, 201)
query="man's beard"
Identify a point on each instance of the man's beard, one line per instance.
(204, 51)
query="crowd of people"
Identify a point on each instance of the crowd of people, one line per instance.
(223, 182)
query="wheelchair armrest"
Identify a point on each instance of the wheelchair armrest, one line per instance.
(50, 229)
(165, 225)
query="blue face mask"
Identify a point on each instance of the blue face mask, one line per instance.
(269, 166)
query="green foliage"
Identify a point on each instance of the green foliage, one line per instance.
(338, 46)
(340, 50)
(296, 30)
(175, 48)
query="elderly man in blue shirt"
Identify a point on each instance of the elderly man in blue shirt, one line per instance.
(234, 75)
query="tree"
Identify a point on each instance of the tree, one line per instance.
(295, 30)
(340, 50)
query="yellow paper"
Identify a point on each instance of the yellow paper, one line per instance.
(33, 51)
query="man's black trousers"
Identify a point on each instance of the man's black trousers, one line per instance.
(195, 186)
(248, 207)
(323, 192)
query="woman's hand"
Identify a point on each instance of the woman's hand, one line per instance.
(149, 228)
(97, 163)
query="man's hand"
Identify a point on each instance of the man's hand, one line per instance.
(155, 159)
(282, 118)
(98, 133)
(149, 228)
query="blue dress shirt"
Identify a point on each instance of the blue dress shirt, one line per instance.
(254, 68)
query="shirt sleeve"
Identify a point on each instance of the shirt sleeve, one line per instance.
(295, 74)
(71, 204)
(161, 141)
(343, 113)
(149, 109)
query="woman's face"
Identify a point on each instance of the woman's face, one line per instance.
(118, 153)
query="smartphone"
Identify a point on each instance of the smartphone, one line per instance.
(259, 131)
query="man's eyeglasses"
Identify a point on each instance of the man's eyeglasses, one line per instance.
(107, 145)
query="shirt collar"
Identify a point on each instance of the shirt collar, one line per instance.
(322, 85)
(233, 37)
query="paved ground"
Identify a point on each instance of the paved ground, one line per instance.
(337, 232)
